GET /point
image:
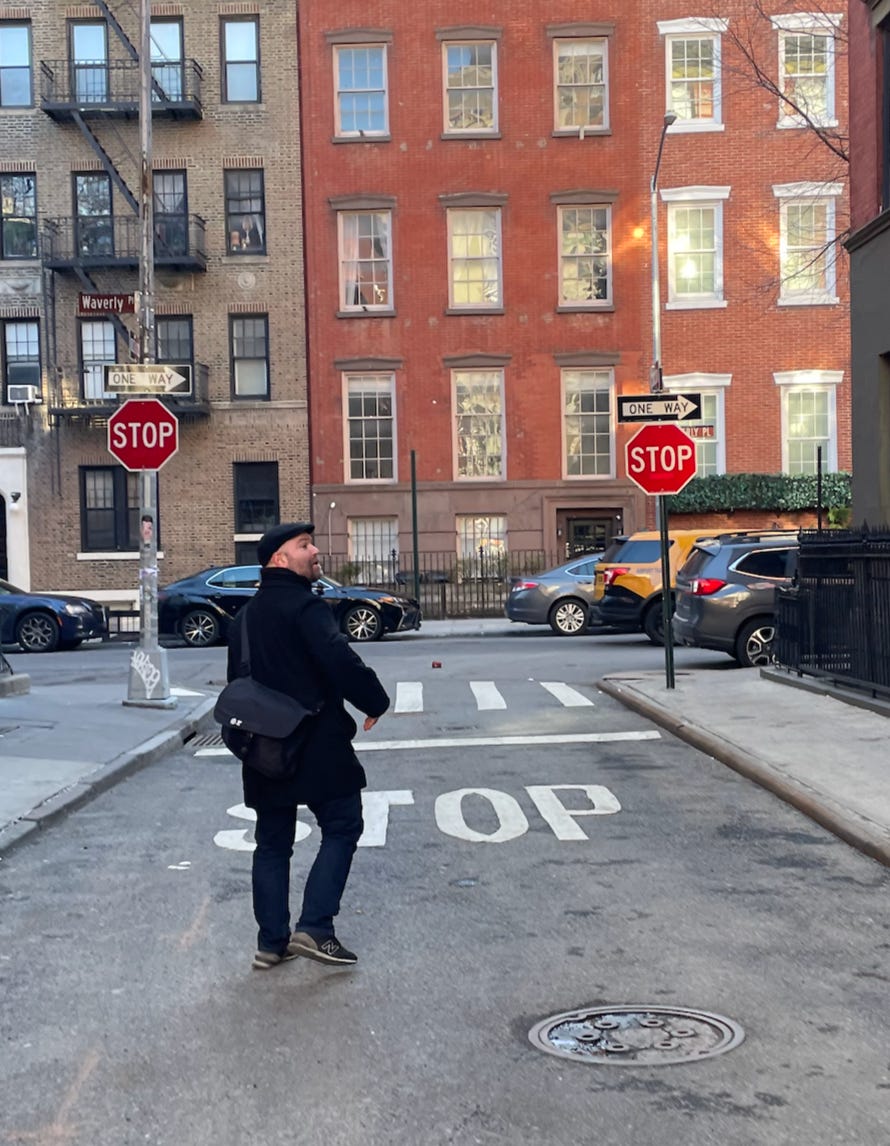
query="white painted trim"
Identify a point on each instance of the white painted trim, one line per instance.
(596, 304)
(345, 377)
(695, 126)
(809, 300)
(698, 304)
(14, 477)
(499, 370)
(825, 380)
(807, 21)
(806, 190)
(696, 380)
(811, 378)
(457, 132)
(604, 40)
(610, 476)
(699, 31)
(368, 307)
(338, 132)
(451, 213)
(246, 536)
(132, 555)
(691, 25)
(696, 194)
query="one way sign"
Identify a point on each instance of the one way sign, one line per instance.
(659, 407)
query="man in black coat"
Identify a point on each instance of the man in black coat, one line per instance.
(297, 648)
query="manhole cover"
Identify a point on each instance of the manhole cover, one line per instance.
(636, 1036)
(206, 740)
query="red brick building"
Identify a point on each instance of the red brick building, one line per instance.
(478, 245)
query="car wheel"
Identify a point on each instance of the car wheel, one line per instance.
(37, 633)
(653, 623)
(754, 644)
(568, 618)
(200, 629)
(363, 623)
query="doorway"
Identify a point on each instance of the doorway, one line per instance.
(581, 531)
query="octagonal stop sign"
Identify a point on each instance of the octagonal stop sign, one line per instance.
(660, 458)
(143, 434)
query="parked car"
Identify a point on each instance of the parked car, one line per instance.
(43, 622)
(726, 594)
(199, 609)
(559, 597)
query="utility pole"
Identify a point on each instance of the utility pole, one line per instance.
(149, 682)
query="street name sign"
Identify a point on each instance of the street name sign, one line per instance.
(660, 459)
(659, 407)
(153, 378)
(143, 434)
(106, 303)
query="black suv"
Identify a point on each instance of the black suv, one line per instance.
(726, 593)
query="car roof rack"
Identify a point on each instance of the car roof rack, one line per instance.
(756, 534)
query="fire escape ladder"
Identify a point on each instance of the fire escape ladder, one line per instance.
(128, 44)
(107, 162)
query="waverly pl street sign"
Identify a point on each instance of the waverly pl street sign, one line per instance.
(106, 303)
(153, 378)
(659, 407)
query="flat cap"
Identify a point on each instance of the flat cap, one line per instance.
(273, 539)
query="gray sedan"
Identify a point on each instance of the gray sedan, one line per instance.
(559, 597)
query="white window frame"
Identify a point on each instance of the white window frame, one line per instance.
(456, 376)
(604, 380)
(583, 128)
(701, 383)
(376, 377)
(454, 261)
(91, 372)
(562, 256)
(816, 24)
(447, 129)
(387, 304)
(708, 197)
(359, 133)
(385, 566)
(826, 381)
(698, 28)
(467, 556)
(825, 194)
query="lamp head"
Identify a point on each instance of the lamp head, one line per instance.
(669, 118)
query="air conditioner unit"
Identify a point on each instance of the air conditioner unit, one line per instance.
(16, 393)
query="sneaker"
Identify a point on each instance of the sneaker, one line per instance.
(264, 960)
(328, 950)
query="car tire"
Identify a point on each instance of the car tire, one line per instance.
(199, 628)
(754, 643)
(653, 624)
(37, 633)
(568, 617)
(363, 623)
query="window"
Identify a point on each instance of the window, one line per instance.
(806, 242)
(374, 548)
(471, 101)
(98, 346)
(15, 64)
(246, 212)
(18, 217)
(370, 427)
(93, 222)
(708, 430)
(173, 339)
(109, 509)
(479, 423)
(170, 214)
(241, 60)
(695, 246)
(585, 256)
(167, 60)
(21, 355)
(361, 95)
(809, 419)
(89, 61)
(481, 545)
(474, 255)
(587, 418)
(582, 92)
(365, 260)
(256, 496)
(766, 563)
(250, 356)
(693, 72)
(806, 68)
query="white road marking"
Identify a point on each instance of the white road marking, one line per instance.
(175, 691)
(450, 816)
(559, 817)
(487, 695)
(409, 696)
(567, 695)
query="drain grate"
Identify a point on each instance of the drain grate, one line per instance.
(636, 1036)
(206, 740)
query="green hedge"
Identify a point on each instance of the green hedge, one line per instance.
(722, 493)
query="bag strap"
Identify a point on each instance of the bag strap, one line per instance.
(244, 663)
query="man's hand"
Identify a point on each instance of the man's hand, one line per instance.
(370, 721)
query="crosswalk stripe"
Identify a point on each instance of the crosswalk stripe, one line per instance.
(409, 696)
(566, 695)
(487, 695)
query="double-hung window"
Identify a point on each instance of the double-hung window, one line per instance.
(471, 87)
(170, 198)
(245, 212)
(21, 355)
(109, 509)
(807, 68)
(365, 244)
(374, 548)
(370, 427)
(474, 258)
(94, 217)
(15, 64)
(479, 423)
(98, 347)
(18, 217)
(241, 59)
(361, 98)
(708, 430)
(587, 423)
(167, 64)
(585, 255)
(581, 96)
(249, 336)
(481, 545)
(693, 72)
(90, 79)
(173, 339)
(807, 242)
(809, 419)
(695, 246)
(256, 496)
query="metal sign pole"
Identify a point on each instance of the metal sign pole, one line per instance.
(666, 599)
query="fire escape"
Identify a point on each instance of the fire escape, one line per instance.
(99, 94)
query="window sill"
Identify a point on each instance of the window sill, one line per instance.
(810, 300)
(249, 256)
(240, 104)
(23, 261)
(575, 132)
(384, 137)
(368, 312)
(698, 304)
(800, 124)
(364, 483)
(590, 308)
(115, 555)
(589, 477)
(474, 135)
(478, 478)
(690, 127)
(474, 310)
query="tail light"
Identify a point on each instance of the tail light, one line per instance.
(526, 585)
(705, 586)
(609, 575)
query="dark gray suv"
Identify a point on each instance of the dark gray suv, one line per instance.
(726, 594)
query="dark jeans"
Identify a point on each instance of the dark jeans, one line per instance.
(340, 823)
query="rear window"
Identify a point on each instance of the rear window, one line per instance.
(696, 561)
(585, 569)
(639, 552)
(765, 563)
(613, 549)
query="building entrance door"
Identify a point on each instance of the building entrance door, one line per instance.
(581, 532)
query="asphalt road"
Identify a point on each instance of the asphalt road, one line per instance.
(486, 898)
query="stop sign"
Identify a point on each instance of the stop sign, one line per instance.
(660, 458)
(143, 434)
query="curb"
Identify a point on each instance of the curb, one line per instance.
(105, 777)
(847, 825)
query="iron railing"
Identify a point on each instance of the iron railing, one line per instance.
(116, 241)
(113, 86)
(79, 390)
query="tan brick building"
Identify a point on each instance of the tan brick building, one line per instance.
(229, 283)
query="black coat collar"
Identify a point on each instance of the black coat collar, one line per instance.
(270, 576)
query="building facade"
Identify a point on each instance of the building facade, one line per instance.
(226, 176)
(478, 252)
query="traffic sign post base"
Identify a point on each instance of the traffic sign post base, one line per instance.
(149, 683)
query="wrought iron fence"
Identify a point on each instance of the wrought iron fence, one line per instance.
(835, 622)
